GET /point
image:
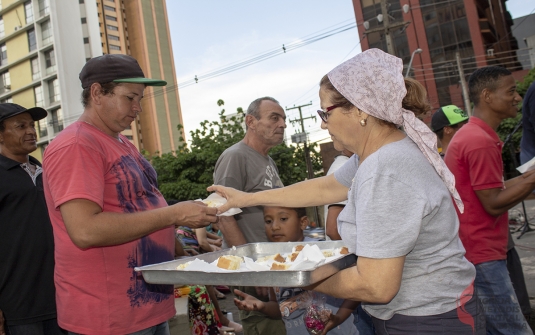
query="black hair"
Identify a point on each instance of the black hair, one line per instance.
(440, 133)
(301, 211)
(485, 78)
(107, 89)
(2, 126)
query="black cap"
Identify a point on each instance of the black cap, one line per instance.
(117, 68)
(8, 110)
(447, 116)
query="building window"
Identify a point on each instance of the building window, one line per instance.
(111, 18)
(2, 29)
(81, 1)
(32, 42)
(36, 74)
(7, 100)
(53, 90)
(50, 61)
(41, 125)
(38, 95)
(28, 11)
(111, 9)
(84, 20)
(3, 54)
(86, 40)
(5, 82)
(115, 47)
(44, 8)
(57, 120)
(113, 38)
(46, 32)
(114, 28)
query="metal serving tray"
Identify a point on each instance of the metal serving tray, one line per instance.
(166, 273)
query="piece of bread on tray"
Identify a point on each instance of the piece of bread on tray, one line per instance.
(229, 262)
(277, 258)
(279, 266)
(344, 251)
(298, 247)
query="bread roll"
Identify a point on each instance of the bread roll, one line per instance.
(344, 251)
(276, 257)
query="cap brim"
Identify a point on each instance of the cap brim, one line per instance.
(145, 81)
(37, 113)
(454, 123)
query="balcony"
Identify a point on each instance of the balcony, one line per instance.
(487, 30)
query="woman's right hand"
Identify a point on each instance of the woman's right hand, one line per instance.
(235, 198)
(248, 302)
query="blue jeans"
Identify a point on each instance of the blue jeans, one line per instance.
(160, 329)
(363, 322)
(496, 293)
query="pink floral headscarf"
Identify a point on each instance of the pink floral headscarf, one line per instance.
(373, 82)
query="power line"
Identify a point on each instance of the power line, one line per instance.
(258, 58)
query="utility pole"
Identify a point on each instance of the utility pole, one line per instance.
(387, 27)
(304, 140)
(464, 87)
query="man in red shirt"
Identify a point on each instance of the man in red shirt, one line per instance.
(107, 213)
(474, 157)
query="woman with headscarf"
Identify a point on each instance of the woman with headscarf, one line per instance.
(411, 274)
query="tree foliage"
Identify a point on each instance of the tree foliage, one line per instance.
(186, 173)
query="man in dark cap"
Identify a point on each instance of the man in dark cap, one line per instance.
(445, 123)
(107, 212)
(27, 295)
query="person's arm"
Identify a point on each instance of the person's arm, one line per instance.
(215, 243)
(372, 280)
(250, 303)
(331, 222)
(348, 306)
(231, 231)
(203, 241)
(179, 249)
(312, 192)
(88, 226)
(497, 201)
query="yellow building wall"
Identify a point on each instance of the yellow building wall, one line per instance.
(11, 20)
(37, 154)
(21, 75)
(25, 98)
(6, 3)
(17, 47)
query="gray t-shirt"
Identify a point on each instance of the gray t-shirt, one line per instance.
(398, 205)
(245, 169)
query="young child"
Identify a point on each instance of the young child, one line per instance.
(287, 225)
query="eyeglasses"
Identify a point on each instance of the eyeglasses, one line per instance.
(324, 114)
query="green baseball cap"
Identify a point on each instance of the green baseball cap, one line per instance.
(447, 116)
(115, 68)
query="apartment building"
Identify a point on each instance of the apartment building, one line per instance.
(479, 30)
(45, 43)
(140, 28)
(43, 46)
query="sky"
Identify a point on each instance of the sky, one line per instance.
(211, 35)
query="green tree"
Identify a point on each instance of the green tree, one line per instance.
(186, 173)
